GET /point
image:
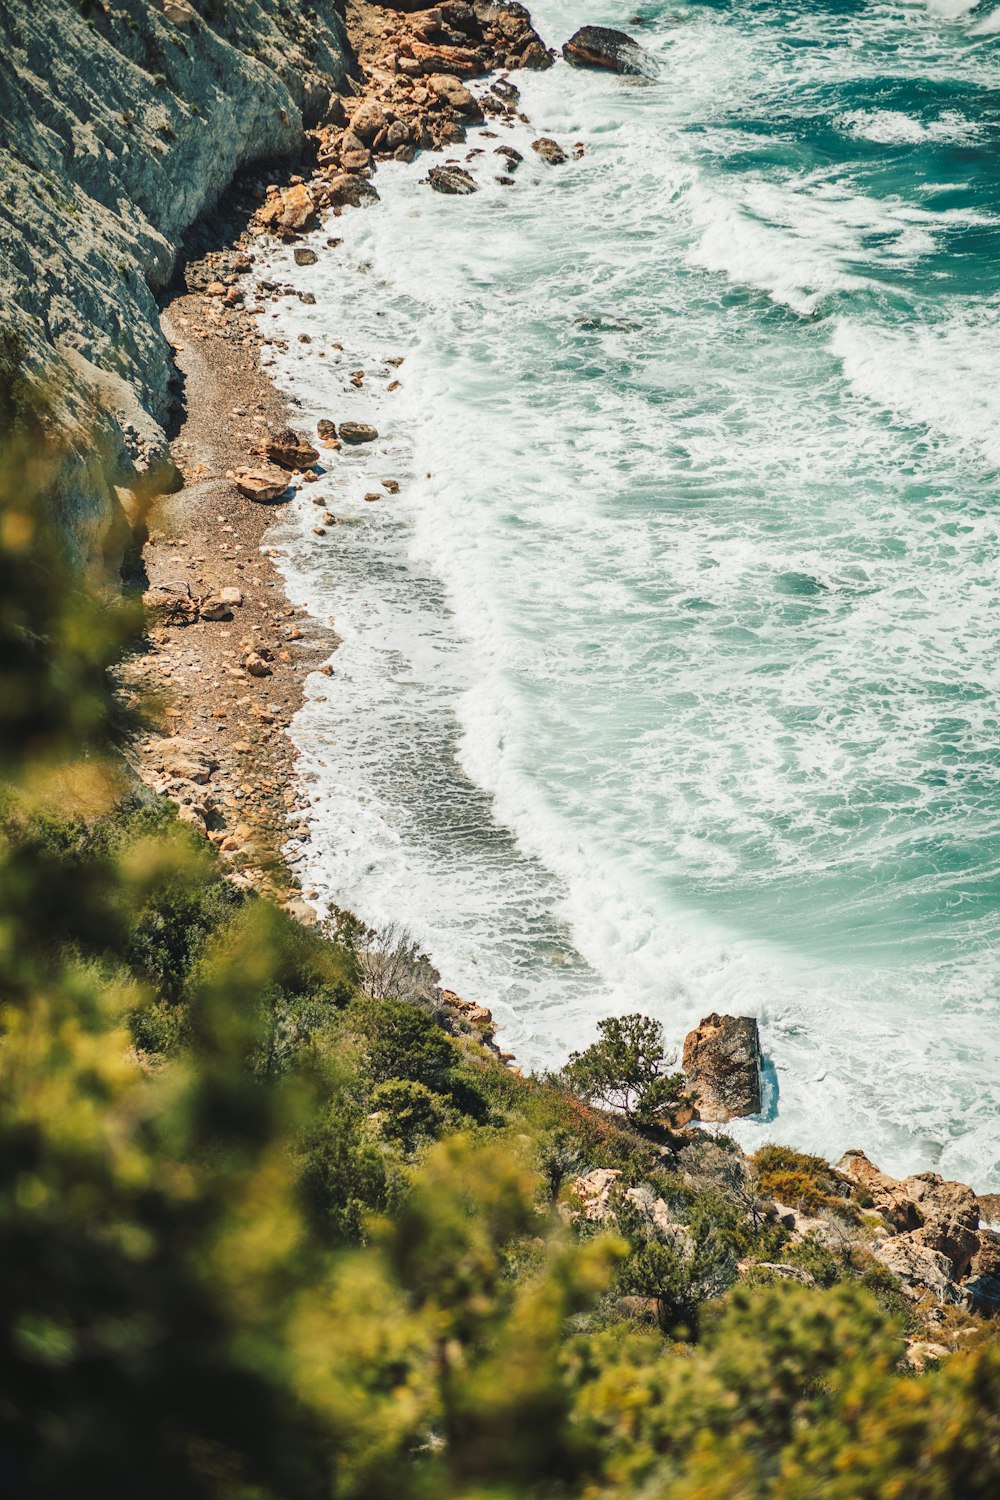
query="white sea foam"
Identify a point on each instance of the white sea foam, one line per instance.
(668, 680)
(893, 127)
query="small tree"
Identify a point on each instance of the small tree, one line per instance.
(626, 1070)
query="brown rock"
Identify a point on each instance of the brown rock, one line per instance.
(368, 120)
(256, 665)
(215, 608)
(290, 450)
(264, 486)
(549, 150)
(304, 256)
(722, 1061)
(347, 190)
(357, 432)
(452, 91)
(603, 47)
(326, 429)
(461, 61)
(298, 211)
(453, 180)
(184, 759)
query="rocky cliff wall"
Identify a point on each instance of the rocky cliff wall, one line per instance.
(120, 124)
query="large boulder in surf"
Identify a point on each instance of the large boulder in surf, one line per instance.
(722, 1061)
(603, 47)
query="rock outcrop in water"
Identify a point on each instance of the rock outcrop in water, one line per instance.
(603, 47)
(722, 1061)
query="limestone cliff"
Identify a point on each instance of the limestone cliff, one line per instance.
(120, 124)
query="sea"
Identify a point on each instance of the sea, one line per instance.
(670, 677)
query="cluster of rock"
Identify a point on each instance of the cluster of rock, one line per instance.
(934, 1238)
(175, 604)
(414, 97)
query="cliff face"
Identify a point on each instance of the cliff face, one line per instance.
(121, 123)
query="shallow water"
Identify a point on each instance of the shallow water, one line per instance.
(669, 679)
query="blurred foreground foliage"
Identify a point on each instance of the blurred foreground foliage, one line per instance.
(268, 1231)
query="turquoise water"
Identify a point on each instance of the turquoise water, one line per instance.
(669, 680)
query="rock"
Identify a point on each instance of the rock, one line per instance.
(256, 665)
(302, 912)
(722, 1061)
(231, 596)
(391, 486)
(981, 1295)
(989, 1208)
(549, 150)
(603, 47)
(326, 429)
(514, 158)
(785, 1272)
(182, 758)
(922, 1352)
(453, 60)
(368, 120)
(921, 1271)
(986, 1261)
(215, 608)
(594, 1192)
(357, 432)
(536, 56)
(170, 604)
(941, 1215)
(454, 93)
(291, 450)
(298, 211)
(347, 190)
(264, 486)
(454, 180)
(304, 256)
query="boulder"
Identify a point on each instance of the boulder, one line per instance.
(298, 211)
(347, 190)
(357, 432)
(921, 1271)
(989, 1208)
(326, 430)
(722, 1060)
(512, 156)
(454, 180)
(304, 256)
(290, 450)
(454, 93)
(231, 596)
(368, 120)
(549, 150)
(187, 761)
(603, 47)
(262, 485)
(213, 607)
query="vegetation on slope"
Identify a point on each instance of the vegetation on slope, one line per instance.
(270, 1230)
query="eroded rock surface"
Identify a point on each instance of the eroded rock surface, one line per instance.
(722, 1061)
(603, 47)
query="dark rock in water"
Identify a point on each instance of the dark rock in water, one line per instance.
(451, 180)
(326, 429)
(304, 256)
(513, 156)
(549, 150)
(722, 1061)
(351, 191)
(602, 47)
(357, 432)
(604, 323)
